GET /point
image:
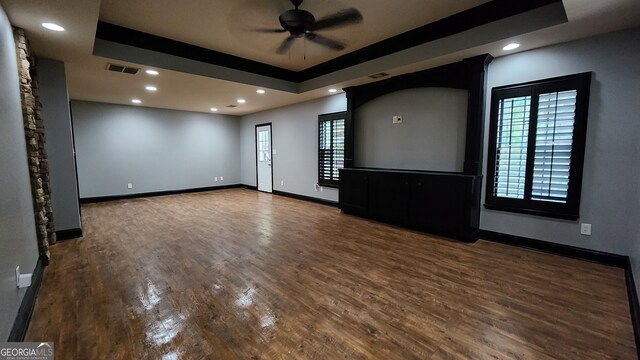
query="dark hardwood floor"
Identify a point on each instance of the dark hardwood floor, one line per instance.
(237, 274)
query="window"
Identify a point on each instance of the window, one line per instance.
(536, 146)
(264, 153)
(330, 148)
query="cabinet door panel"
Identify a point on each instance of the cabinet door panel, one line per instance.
(389, 196)
(438, 204)
(354, 191)
(419, 203)
(446, 214)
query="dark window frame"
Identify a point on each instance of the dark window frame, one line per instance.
(323, 118)
(571, 209)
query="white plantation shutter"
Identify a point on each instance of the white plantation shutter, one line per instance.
(324, 152)
(511, 147)
(331, 139)
(554, 139)
(337, 150)
(536, 146)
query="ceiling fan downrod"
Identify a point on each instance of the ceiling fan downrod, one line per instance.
(297, 3)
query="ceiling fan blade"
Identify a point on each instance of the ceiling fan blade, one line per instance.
(286, 45)
(270, 31)
(341, 18)
(319, 39)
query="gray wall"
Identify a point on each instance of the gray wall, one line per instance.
(18, 243)
(59, 144)
(295, 142)
(154, 149)
(611, 185)
(431, 136)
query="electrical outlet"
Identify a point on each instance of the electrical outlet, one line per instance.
(24, 280)
(221, 178)
(129, 186)
(215, 179)
(281, 182)
(585, 229)
(321, 188)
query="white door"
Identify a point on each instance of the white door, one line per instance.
(263, 155)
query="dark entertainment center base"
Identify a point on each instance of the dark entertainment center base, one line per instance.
(445, 203)
(436, 202)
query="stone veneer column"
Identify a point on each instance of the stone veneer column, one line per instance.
(36, 153)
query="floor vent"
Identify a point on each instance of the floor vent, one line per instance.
(122, 69)
(378, 75)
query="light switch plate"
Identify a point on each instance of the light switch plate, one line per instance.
(585, 229)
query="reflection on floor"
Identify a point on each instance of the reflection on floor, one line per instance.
(237, 274)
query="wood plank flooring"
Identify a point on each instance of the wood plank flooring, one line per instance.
(237, 274)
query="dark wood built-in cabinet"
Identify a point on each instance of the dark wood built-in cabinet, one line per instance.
(445, 203)
(436, 202)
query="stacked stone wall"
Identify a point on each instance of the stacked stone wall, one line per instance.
(36, 153)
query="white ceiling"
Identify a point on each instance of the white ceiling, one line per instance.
(214, 25)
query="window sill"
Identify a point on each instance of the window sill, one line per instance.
(535, 212)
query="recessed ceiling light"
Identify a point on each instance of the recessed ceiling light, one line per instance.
(52, 26)
(151, 88)
(511, 46)
(152, 72)
(260, 91)
(214, 109)
(136, 101)
(333, 90)
(241, 101)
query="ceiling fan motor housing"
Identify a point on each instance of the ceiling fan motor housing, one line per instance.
(296, 21)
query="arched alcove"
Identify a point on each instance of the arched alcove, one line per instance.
(422, 193)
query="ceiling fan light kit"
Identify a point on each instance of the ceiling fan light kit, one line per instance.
(301, 24)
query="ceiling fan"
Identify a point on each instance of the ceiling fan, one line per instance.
(302, 24)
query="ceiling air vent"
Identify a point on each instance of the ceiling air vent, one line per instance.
(130, 70)
(122, 69)
(378, 75)
(232, 106)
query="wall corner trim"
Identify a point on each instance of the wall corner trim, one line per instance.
(88, 200)
(21, 323)
(306, 198)
(599, 257)
(634, 306)
(68, 234)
